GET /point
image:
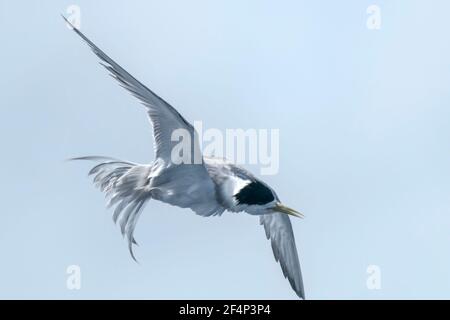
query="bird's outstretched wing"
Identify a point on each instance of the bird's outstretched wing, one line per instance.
(279, 230)
(164, 118)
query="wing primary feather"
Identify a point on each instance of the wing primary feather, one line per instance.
(164, 118)
(279, 231)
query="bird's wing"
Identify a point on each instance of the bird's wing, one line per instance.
(279, 230)
(164, 118)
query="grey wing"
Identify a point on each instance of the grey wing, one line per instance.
(164, 118)
(279, 230)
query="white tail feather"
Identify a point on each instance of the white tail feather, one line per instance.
(125, 185)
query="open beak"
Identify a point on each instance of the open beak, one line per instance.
(282, 208)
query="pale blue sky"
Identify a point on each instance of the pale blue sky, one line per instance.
(364, 129)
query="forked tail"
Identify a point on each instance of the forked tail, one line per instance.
(125, 185)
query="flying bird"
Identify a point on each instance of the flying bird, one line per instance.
(208, 188)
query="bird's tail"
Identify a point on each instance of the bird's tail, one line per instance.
(125, 185)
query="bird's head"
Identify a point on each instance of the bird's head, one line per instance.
(259, 198)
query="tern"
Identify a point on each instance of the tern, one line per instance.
(208, 188)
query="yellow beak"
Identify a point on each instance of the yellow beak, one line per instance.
(282, 208)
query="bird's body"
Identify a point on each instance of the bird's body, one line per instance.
(208, 187)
